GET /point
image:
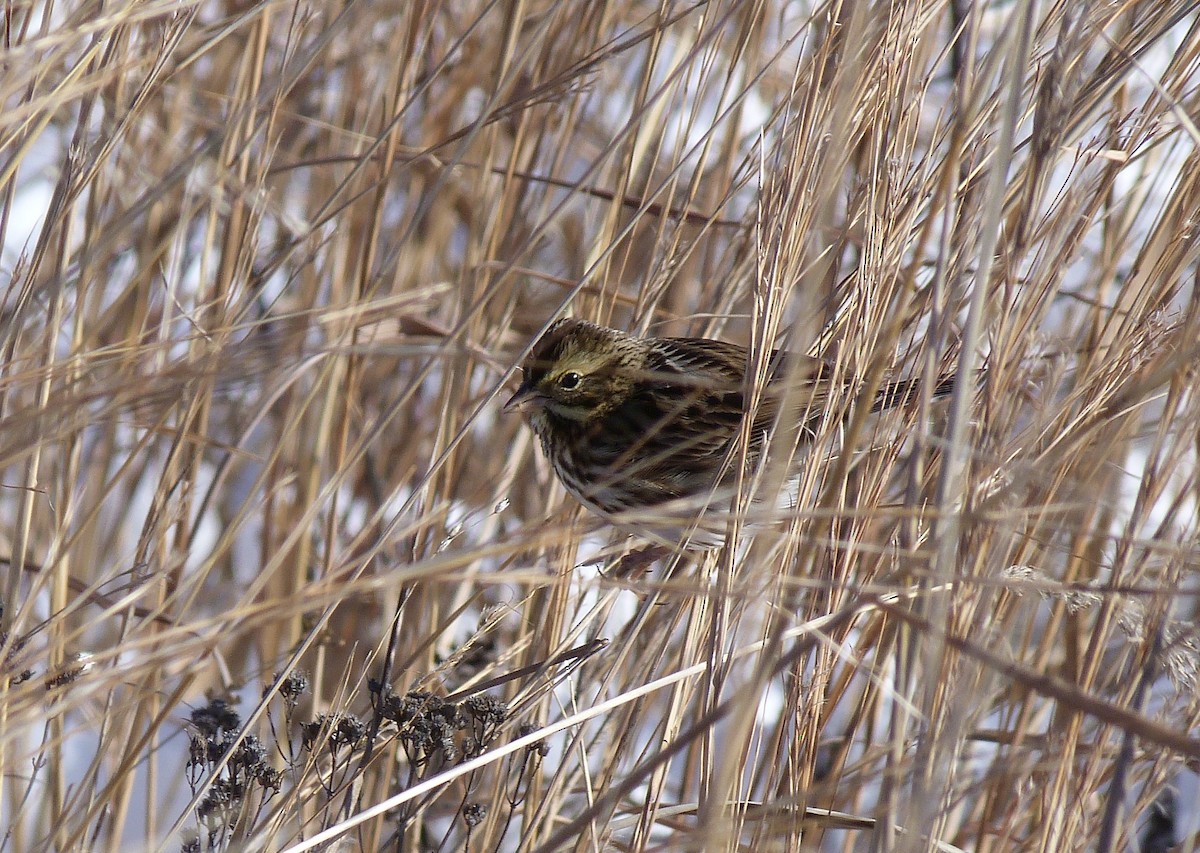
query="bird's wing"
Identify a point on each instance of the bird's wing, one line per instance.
(670, 436)
(722, 364)
(721, 367)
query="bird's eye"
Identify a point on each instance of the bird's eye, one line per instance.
(569, 381)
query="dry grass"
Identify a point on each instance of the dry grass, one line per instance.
(252, 358)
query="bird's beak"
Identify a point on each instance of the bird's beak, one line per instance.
(522, 400)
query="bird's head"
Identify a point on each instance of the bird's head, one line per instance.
(577, 371)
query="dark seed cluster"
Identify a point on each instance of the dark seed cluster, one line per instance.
(430, 728)
(345, 731)
(15, 645)
(237, 771)
(234, 771)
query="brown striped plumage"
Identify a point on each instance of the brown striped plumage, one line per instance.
(633, 426)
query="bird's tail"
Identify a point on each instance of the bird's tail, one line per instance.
(905, 391)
